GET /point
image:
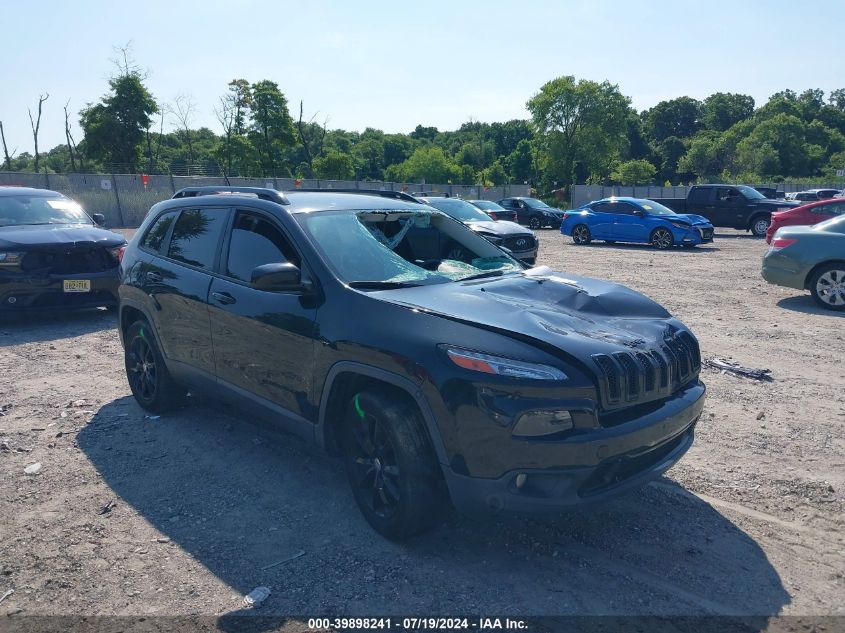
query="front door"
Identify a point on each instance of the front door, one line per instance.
(264, 342)
(627, 226)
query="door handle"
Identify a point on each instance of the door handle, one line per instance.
(154, 277)
(223, 297)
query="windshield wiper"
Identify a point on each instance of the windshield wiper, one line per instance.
(489, 273)
(381, 285)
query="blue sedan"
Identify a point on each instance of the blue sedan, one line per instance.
(635, 220)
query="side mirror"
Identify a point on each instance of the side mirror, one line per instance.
(276, 277)
(639, 213)
(99, 219)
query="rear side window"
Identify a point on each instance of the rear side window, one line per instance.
(604, 207)
(256, 241)
(158, 231)
(699, 194)
(196, 235)
(830, 209)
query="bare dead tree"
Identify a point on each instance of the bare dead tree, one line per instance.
(5, 149)
(184, 109)
(152, 156)
(36, 125)
(71, 146)
(312, 142)
(125, 63)
(225, 113)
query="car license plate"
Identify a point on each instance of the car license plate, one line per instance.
(77, 285)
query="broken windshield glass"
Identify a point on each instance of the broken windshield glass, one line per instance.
(390, 249)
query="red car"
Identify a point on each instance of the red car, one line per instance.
(806, 214)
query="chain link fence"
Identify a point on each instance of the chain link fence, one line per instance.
(582, 194)
(124, 199)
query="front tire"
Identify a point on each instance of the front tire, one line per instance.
(150, 382)
(662, 239)
(827, 286)
(760, 225)
(581, 234)
(392, 470)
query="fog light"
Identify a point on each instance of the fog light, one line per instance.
(541, 423)
(520, 480)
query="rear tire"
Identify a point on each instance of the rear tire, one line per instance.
(394, 476)
(759, 225)
(535, 223)
(662, 238)
(827, 286)
(150, 382)
(581, 234)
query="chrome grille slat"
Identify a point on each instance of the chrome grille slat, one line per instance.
(638, 376)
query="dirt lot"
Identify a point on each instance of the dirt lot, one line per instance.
(204, 502)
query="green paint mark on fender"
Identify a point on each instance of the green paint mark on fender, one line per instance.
(358, 406)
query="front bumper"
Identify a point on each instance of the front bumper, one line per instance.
(588, 468)
(693, 236)
(21, 293)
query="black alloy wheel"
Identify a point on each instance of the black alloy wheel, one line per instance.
(394, 477)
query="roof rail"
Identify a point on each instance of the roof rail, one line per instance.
(384, 193)
(262, 193)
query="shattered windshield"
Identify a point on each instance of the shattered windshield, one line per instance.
(392, 249)
(23, 209)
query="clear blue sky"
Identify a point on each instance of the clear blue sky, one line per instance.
(392, 65)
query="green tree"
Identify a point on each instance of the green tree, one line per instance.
(679, 117)
(634, 172)
(114, 128)
(272, 125)
(520, 162)
(334, 165)
(723, 109)
(428, 164)
(578, 122)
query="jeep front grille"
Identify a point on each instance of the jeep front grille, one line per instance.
(627, 378)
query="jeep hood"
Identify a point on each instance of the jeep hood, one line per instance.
(577, 315)
(30, 236)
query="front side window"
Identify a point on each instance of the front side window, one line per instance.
(256, 241)
(196, 236)
(25, 209)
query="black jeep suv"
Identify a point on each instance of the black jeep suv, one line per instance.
(477, 380)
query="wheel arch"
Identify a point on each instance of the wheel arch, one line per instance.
(347, 377)
(129, 313)
(817, 267)
(756, 216)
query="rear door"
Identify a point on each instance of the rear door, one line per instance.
(604, 216)
(702, 201)
(264, 342)
(178, 281)
(825, 212)
(732, 208)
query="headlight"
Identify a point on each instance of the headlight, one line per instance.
(500, 366)
(8, 258)
(680, 225)
(540, 423)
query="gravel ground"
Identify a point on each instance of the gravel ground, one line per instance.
(187, 513)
